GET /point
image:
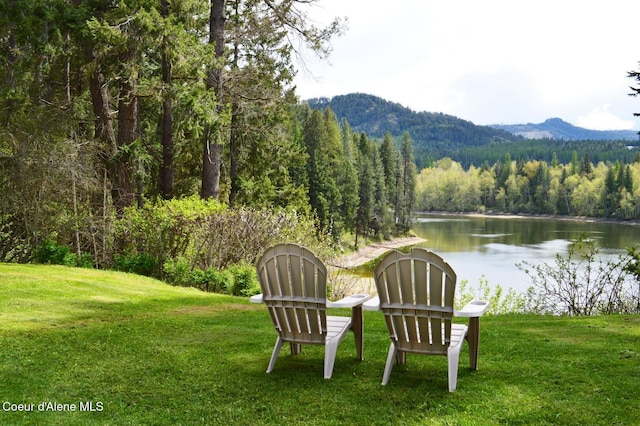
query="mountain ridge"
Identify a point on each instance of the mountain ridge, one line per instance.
(438, 135)
(552, 128)
(556, 128)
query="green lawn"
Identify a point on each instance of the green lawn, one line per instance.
(137, 351)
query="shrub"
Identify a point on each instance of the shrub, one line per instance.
(178, 272)
(141, 264)
(499, 302)
(245, 280)
(50, 252)
(580, 283)
(181, 273)
(167, 229)
(206, 234)
(216, 281)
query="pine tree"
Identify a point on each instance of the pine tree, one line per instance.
(324, 195)
(366, 188)
(388, 158)
(407, 200)
(381, 221)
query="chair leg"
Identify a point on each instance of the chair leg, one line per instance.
(274, 355)
(330, 350)
(357, 326)
(453, 358)
(296, 348)
(391, 356)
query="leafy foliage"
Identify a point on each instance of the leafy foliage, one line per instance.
(579, 188)
(206, 233)
(50, 252)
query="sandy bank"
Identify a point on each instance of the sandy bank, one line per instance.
(372, 251)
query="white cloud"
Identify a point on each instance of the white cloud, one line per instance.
(599, 118)
(495, 61)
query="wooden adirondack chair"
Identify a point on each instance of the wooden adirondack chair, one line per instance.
(294, 288)
(416, 295)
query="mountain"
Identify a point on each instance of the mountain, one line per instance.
(437, 135)
(434, 135)
(555, 128)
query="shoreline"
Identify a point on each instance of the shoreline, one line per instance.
(583, 219)
(372, 251)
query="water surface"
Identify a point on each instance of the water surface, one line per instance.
(490, 247)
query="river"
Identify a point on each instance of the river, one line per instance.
(489, 247)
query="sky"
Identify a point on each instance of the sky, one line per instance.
(486, 61)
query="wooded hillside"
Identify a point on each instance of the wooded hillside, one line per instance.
(438, 135)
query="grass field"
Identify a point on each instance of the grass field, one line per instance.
(84, 347)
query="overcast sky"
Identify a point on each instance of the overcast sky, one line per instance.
(487, 61)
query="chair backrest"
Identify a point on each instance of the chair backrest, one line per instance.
(416, 292)
(294, 288)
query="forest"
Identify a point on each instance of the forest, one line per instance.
(146, 135)
(577, 188)
(166, 138)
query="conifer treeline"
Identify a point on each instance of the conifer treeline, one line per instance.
(355, 184)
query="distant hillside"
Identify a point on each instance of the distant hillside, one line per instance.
(435, 135)
(555, 128)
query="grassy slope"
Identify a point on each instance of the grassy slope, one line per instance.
(154, 354)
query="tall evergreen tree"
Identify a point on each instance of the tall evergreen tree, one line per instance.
(388, 158)
(254, 42)
(348, 178)
(381, 221)
(366, 188)
(324, 195)
(407, 202)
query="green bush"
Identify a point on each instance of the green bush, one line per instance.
(216, 281)
(166, 229)
(181, 273)
(141, 264)
(245, 280)
(207, 234)
(178, 272)
(50, 252)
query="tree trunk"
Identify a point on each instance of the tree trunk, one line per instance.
(122, 186)
(104, 131)
(212, 151)
(166, 121)
(116, 161)
(211, 162)
(233, 155)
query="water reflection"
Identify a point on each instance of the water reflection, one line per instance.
(478, 246)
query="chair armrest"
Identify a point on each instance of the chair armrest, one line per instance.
(349, 301)
(372, 304)
(475, 308)
(256, 298)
